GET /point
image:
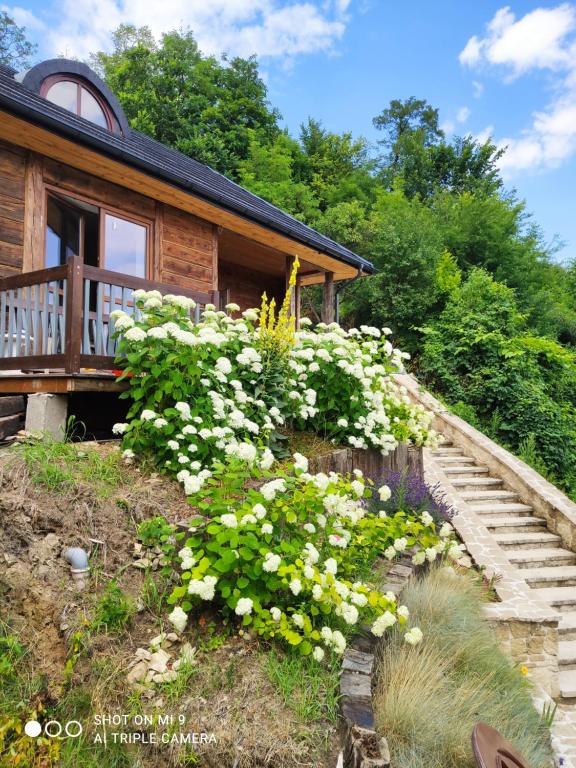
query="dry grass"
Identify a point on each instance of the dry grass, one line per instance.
(430, 696)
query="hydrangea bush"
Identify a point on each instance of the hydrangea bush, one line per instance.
(283, 555)
(202, 391)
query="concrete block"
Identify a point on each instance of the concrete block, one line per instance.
(46, 414)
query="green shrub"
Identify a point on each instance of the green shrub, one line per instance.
(512, 385)
(283, 556)
(208, 390)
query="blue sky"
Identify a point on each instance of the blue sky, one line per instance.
(492, 69)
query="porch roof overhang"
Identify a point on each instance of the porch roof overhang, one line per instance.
(142, 164)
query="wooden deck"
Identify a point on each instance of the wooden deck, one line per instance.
(58, 383)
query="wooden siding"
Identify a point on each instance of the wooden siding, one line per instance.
(100, 191)
(12, 183)
(247, 285)
(188, 250)
(46, 143)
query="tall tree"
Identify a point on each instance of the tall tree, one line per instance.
(208, 108)
(403, 121)
(15, 49)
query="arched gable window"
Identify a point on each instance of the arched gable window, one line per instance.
(72, 85)
(77, 96)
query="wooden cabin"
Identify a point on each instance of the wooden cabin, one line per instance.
(90, 210)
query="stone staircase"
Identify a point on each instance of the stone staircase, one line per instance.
(548, 568)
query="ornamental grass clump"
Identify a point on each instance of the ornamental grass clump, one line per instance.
(224, 386)
(429, 698)
(281, 557)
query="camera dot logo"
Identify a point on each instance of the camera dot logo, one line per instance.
(53, 729)
(33, 728)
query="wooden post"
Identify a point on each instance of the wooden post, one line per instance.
(328, 298)
(224, 298)
(73, 317)
(289, 267)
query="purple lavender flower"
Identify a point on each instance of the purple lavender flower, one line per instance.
(410, 492)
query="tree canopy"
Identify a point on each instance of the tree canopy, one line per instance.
(15, 49)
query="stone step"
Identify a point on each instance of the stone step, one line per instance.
(562, 575)
(515, 524)
(504, 510)
(458, 459)
(540, 558)
(485, 496)
(567, 684)
(476, 483)
(444, 443)
(466, 469)
(527, 540)
(447, 450)
(557, 596)
(567, 654)
(567, 626)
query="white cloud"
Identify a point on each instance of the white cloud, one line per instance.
(536, 41)
(542, 40)
(463, 114)
(269, 28)
(478, 88)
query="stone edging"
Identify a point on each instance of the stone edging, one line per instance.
(363, 747)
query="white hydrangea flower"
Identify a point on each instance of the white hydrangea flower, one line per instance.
(298, 619)
(119, 429)
(173, 445)
(317, 592)
(276, 613)
(331, 566)
(445, 530)
(160, 423)
(358, 487)
(309, 527)
(178, 618)
(244, 606)
(223, 365)
(318, 653)
(419, 557)
(205, 588)
(295, 586)
(390, 553)
(387, 619)
(384, 493)
(122, 322)
(271, 562)
(427, 519)
(300, 462)
(148, 415)
(259, 510)
(400, 544)
(135, 334)
(413, 636)
(403, 611)
(267, 529)
(229, 520)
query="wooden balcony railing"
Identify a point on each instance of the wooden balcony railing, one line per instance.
(59, 318)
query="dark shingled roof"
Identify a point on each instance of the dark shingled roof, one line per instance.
(162, 162)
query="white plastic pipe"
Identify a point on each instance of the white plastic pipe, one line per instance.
(78, 559)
